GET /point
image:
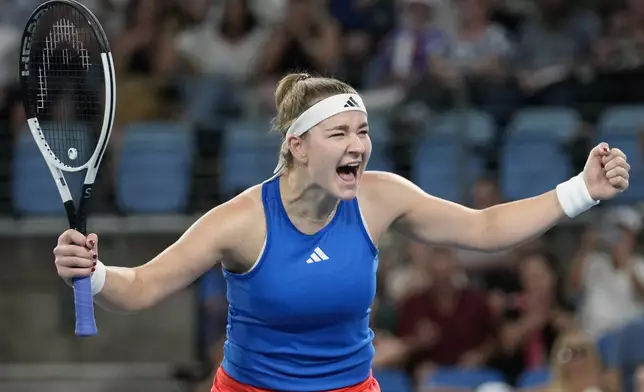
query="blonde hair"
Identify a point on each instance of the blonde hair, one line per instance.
(559, 381)
(295, 93)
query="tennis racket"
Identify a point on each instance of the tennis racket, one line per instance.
(68, 90)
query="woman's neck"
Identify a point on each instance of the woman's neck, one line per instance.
(306, 199)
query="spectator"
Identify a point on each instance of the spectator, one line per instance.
(608, 275)
(364, 25)
(476, 60)
(138, 59)
(575, 364)
(411, 276)
(534, 317)
(436, 324)
(306, 39)
(228, 49)
(618, 58)
(545, 72)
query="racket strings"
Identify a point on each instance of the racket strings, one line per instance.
(66, 85)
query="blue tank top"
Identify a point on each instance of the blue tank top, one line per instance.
(299, 320)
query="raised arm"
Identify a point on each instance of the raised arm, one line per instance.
(203, 245)
(432, 220)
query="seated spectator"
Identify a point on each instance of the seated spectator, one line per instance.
(607, 275)
(138, 52)
(618, 59)
(364, 24)
(229, 48)
(551, 49)
(575, 365)
(436, 324)
(476, 60)
(307, 39)
(534, 317)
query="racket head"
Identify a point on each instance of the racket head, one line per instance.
(68, 86)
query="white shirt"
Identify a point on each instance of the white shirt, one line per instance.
(610, 300)
(211, 54)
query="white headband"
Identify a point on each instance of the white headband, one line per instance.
(319, 112)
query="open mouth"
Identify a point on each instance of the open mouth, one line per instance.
(348, 173)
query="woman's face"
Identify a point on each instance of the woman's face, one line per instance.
(336, 152)
(472, 10)
(235, 11)
(575, 357)
(536, 275)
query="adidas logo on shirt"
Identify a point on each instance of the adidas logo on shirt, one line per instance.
(317, 256)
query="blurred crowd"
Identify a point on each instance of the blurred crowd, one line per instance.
(512, 311)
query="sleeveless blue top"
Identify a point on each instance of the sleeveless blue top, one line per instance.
(299, 320)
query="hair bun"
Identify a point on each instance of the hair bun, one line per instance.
(303, 77)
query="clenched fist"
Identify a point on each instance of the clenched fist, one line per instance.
(76, 254)
(606, 172)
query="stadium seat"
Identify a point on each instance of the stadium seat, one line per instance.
(33, 190)
(249, 155)
(530, 167)
(534, 159)
(474, 127)
(554, 123)
(154, 168)
(209, 100)
(627, 119)
(379, 133)
(444, 168)
(392, 380)
(534, 378)
(623, 127)
(465, 379)
(607, 345)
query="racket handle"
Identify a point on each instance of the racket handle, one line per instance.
(84, 307)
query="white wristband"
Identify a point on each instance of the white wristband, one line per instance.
(98, 277)
(574, 197)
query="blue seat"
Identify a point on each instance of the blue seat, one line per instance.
(154, 168)
(474, 127)
(606, 346)
(392, 380)
(533, 159)
(621, 127)
(554, 123)
(444, 168)
(532, 166)
(209, 100)
(458, 378)
(534, 378)
(380, 136)
(628, 119)
(249, 155)
(33, 190)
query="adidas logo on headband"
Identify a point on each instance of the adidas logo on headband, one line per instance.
(351, 103)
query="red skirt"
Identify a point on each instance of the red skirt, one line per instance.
(224, 383)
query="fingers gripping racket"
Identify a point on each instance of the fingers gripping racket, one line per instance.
(68, 88)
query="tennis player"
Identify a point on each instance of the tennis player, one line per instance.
(300, 250)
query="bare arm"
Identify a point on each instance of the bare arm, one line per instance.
(203, 245)
(434, 221)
